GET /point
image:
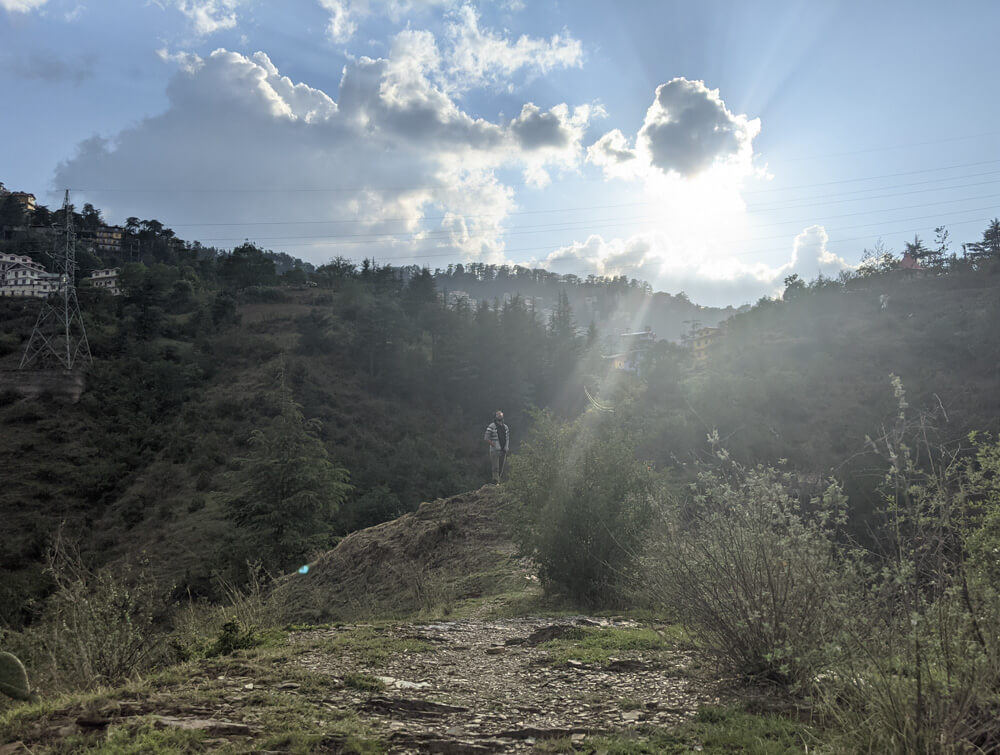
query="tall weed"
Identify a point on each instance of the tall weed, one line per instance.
(923, 674)
(754, 575)
(98, 627)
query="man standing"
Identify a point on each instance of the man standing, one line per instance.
(498, 436)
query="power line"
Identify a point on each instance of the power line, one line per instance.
(865, 199)
(875, 178)
(410, 237)
(891, 147)
(569, 225)
(454, 252)
(789, 204)
(425, 187)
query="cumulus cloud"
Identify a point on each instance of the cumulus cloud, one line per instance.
(610, 150)
(811, 258)
(688, 128)
(389, 166)
(209, 16)
(707, 279)
(687, 131)
(21, 6)
(653, 257)
(550, 138)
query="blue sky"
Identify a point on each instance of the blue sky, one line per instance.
(711, 147)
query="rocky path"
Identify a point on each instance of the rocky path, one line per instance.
(492, 685)
(462, 686)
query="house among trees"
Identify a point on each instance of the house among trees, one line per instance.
(20, 275)
(454, 298)
(16, 207)
(106, 279)
(23, 198)
(909, 262)
(629, 348)
(701, 341)
(108, 239)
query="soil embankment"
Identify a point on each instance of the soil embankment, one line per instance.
(448, 550)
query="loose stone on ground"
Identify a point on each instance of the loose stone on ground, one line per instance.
(489, 686)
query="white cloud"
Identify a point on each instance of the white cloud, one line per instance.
(346, 14)
(186, 61)
(399, 166)
(480, 56)
(343, 18)
(687, 131)
(656, 258)
(811, 258)
(209, 16)
(712, 280)
(21, 6)
(472, 56)
(550, 138)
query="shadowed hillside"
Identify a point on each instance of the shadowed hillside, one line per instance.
(446, 551)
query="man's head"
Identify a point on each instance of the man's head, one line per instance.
(498, 416)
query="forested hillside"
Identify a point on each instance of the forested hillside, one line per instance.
(193, 378)
(613, 305)
(807, 378)
(216, 375)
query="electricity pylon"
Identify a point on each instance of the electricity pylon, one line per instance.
(59, 337)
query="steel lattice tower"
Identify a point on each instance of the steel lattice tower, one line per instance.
(59, 337)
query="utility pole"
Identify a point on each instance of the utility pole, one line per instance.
(59, 337)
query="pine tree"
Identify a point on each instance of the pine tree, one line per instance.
(917, 250)
(988, 248)
(288, 490)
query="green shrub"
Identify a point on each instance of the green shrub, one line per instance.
(756, 580)
(234, 636)
(923, 672)
(584, 503)
(98, 627)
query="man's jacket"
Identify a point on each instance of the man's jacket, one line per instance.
(493, 436)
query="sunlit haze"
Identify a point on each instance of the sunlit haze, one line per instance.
(711, 148)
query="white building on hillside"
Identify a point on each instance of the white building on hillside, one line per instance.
(106, 279)
(22, 276)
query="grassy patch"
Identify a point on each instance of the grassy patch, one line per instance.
(303, 743)
(372, 646)
(363, 682)
(135, 737)
(598, 646)
(249, 683)
(715, 730)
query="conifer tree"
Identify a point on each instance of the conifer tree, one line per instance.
(989, 247)
(288, 489)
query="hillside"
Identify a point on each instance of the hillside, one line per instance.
(613, 305)
(807, 378)
(146, 459)
(446, 552)
(189, 370)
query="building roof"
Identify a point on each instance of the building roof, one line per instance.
(908, 263)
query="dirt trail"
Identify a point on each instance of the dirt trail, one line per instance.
(488, 687)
